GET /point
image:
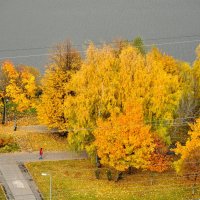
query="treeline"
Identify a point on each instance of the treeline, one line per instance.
(121, 102)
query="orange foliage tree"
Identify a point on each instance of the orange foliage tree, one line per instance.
(124, 141)
(159, 160)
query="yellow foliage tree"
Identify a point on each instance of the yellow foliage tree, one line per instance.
(108, 80)
(189, 105)
(96, 86)
(164, 91)
(196, 72)
(17, 85)
(65, 62)
(124, 141)
(196, 80)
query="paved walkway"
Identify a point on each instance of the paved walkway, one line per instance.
(37, 128)
(15, 182)
(32, 128)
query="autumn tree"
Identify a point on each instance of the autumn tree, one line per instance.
(185, 113)
(196, 72)
(97, 88)
(108, 80)
(123, 140)
(159, 160)
(65, 61)
(139, 44)
(32, 70)
(164, 92)
(189, 164)
(154, 80)
(196, 82)
(93, 98)
(18, 85)
(189, 106)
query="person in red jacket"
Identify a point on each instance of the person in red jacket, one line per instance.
(41, 153)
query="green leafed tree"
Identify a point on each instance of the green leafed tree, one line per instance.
(139, 44)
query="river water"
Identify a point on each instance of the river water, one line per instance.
(36, 25)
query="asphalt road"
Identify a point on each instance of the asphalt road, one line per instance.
(16, 179)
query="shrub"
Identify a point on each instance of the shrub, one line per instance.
(5, 140)
(10, 148)
(7, 144)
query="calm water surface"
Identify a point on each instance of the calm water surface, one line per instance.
(43, 23)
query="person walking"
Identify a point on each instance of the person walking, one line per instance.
(41, 154)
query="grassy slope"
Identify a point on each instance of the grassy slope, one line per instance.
(75, 180)
(2, 195)
(33, 141)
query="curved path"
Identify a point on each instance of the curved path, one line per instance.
(15, 178)
(37, 128)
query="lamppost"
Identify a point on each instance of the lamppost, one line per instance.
(50, 184)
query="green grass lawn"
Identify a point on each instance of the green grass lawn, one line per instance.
(75, 180)
(2, 195)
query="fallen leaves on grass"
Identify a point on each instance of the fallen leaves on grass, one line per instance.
(34, 141)
(30, 141)
(75, 180)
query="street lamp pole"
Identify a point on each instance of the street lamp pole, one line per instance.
(50, 190)
(50, 184)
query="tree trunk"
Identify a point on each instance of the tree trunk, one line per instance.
(4, 111)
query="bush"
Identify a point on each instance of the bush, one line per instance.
(7, 144)
(10, 148)
(5, 140)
